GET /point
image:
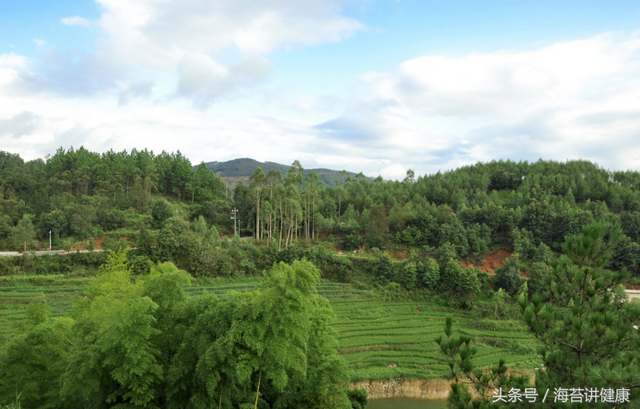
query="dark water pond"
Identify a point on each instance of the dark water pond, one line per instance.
(406, 403)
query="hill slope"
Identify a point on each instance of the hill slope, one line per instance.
(237, 170)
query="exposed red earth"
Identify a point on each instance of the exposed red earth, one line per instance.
(492, 261)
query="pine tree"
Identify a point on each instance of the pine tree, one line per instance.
(592, 343)
(587, 332)
(24, 233)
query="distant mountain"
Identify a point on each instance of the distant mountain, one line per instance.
(237, 170)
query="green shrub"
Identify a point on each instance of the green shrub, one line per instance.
(508, 276)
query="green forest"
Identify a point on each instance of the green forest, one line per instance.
(141, 228)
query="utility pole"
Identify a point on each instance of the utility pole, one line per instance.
(234, 212)
(49, 240)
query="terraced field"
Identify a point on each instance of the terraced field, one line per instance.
(379, 340)
(382, 340)
(17, 292)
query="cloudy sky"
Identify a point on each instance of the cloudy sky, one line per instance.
(378, 86)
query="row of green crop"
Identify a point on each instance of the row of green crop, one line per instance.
(372, 331)
(14, 300)
(354, 328)
(385, 322)
(365, 312)
(414, 327)
(372, 334)
(43, 280)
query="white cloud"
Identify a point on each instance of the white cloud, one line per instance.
(304, 103)
(64, 73)
(19, 125)
(395, 171)
(510, 82)
(255, 26)
(135, 89)
(578, 99)
(204, 80)
(76, 21)
(9, 65)
(12, 60)
(562, 101)
(186, 36)
(159, 33)
(143, 40)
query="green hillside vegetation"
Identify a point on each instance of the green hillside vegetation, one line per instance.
(395, 258)
(174, 212)
(586, 330)
(138, 343)
(378, 340)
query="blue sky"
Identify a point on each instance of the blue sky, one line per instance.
(378, 86)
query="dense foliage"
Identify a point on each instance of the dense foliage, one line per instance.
(80, 194)
(530, 207)
(143, 343)
(588, 340)
(174, 212)
(136, 340)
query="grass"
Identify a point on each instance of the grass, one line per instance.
(372, 334)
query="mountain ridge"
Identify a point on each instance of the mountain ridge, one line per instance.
(240, 170)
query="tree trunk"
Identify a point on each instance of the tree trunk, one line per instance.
(313, 220)
(221, 390)
(286, 243)
(308, 215)
(281, 220)
(258, 215)
(270, 214)
(290, 231)
(258, 390)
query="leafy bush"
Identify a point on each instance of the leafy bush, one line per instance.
(381, 269)
(428, 273)
(407, 275)
(160, 213)
(508, 276)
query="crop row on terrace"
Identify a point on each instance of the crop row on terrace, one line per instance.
(378, 339)
(389, 339)
(59, 292)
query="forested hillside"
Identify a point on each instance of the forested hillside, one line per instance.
(417, 243)
(143, 198)
(82, 195)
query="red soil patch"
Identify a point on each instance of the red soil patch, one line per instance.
(632, 287)
(495, 260)
(492, 262)
(98, 243)
(398, 255)
(77, 247)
